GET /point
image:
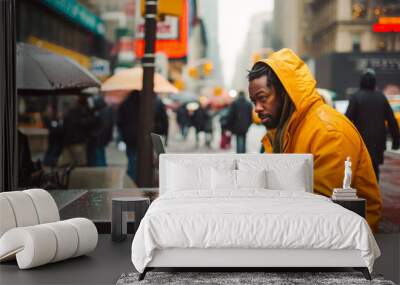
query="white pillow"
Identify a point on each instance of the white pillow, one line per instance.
(223, 179)
(251, 179)
(227, 179)
(293, 179)
(281, 174)
(193, 173)
(188, 177)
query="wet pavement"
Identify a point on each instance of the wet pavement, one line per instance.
(390, 189)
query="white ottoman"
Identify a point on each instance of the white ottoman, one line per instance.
(31, 232)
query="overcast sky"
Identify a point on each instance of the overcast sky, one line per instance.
(234, 18)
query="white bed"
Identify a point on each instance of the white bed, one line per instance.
(231, 210)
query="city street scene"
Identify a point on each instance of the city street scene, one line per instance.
(200, 141)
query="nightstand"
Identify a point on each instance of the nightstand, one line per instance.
(358, 205)
(120, 207)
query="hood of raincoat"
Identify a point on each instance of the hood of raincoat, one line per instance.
(298, 81)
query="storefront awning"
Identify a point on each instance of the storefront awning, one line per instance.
(78, 13)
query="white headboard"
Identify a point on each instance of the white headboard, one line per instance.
(208, 159)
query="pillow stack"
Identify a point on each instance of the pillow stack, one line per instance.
(231, 175)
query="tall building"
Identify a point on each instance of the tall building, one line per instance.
(70, 28)
(288, 28)
(347, 26)
(319, 27)
(208, 12)
(119, 22)
(191, 74)
(344, 41)
(118, 15)
(257, 42)
(64, 27)
(341, 38)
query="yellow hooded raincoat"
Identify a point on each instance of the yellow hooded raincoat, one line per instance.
(316, 128)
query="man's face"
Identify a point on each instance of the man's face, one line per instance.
(268, 104)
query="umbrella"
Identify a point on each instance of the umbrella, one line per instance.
(42, 72)
(131, 79)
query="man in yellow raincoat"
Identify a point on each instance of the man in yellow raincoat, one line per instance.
(284, 93)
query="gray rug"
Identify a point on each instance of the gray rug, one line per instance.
(228, 278)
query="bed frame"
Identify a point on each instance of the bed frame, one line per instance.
(242, 259)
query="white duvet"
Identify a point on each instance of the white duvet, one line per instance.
(250, 219)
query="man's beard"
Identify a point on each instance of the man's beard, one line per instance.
(272, 123)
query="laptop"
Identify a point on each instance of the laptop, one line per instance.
(158, 144)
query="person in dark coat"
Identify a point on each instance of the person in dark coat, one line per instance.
(161, 123)
(101, 134)
(369, 110)
(225, 142)
(55, 138)
(239, 119)
(127, 122)
(25, 163)
(79, 121)
(202, 122)
(183, 120)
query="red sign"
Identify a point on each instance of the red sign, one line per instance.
(386, 28)
(172, 37)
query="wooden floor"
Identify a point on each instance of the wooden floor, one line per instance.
(111, 259)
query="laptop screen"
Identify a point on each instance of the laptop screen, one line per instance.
(158, 144)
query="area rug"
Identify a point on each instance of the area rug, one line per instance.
(229, 278)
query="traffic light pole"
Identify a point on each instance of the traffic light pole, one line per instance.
(8, 98)
(146, 108)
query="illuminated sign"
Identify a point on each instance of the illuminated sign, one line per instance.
(387, 25)
(386, 28)
(389, 20)
(166, 30)
(172, 34)
(387, 64)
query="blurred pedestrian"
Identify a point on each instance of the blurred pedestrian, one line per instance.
(202, 121)
(283, 91)
(54, 124)
(79, 121)
(239, 119)
(26, 166)
(161, 123)
(370, 111)
(225, 142)
(127, 122)
(101, 134)
(183, 120)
